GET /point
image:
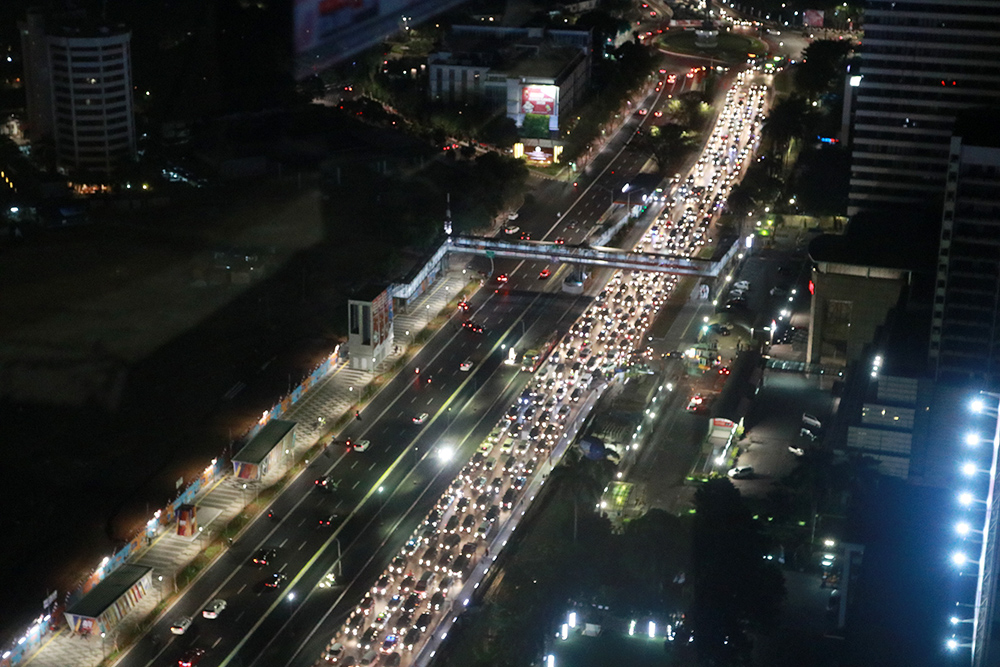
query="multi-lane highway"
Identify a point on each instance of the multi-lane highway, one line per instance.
(383, 494)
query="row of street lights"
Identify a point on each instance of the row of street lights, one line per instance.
(984, 605)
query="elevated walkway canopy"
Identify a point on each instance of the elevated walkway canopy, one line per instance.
(582, 254)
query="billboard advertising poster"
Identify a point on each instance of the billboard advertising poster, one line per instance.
(541, 155)
(381, 317)
(813, 18)
(539, 99)
(316, 21)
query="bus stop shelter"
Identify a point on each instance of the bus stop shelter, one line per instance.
(264, 450)
(107, 603)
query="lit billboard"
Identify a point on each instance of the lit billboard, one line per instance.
(539, 99)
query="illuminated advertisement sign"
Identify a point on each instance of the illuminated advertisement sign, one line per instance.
(381, 317)
(539, 99)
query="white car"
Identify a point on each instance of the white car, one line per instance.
(421, 418)
(181, 625)
(742, 284)
(740, 472)
(511, 229)
(465, 366)
(361, 445)
(214, 608)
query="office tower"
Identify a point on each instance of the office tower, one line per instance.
(78, 77)
(922, 62)
(965, 341)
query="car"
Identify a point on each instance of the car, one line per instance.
(411, 603)
(365, 606)
(465, 366)
(513, 215)
(264, 556)
(326, 483)
(508, 499)
(468, 523)
(423, 622)
(696, 404)
(809, 420)
(394, 603)
(525, 236)
(742, 285)
(560, 240)
(798, 451)
(453, 523)
(411, 638)
(642, 112)
(397, 565)
(407, 583)
(807, 432)
(740, 472)
(511, 229)
(354, 624)
(382, 585)
(361, 445)
(519, 483)
(181, 625)
(191, 657)
(671, 78)
(492, 514)
(276, 580)
(402, 623)
(368, 638)
(389, 644)
(327, 521)
(333, 653)
(381, 620)
(421, 418)
(544, 274)
(502, 278)
(214, 608)
(463, 306)
(658, 114)
(473, 327)
(426, 581)
(463, 504)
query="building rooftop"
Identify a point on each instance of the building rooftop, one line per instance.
(906, 239)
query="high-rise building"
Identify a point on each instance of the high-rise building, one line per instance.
(965, 327)
(78, 78)
(922, 62)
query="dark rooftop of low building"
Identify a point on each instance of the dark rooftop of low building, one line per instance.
(901, 239)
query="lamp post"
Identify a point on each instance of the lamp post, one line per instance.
(985, 605)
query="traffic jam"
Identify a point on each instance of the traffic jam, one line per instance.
(421, 585)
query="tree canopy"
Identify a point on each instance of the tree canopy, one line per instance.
(735, 588)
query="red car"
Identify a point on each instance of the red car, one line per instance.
(463, 305)
(560, 241)
(502, 278)
(543, 274)
(191, 658)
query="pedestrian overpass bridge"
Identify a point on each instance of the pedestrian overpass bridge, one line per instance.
(545, 251)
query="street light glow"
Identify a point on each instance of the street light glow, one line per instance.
(972, 439)
(445, 454)
(962, 528)
(959, 558)
(965, 498)
(977, 405)
(968, 468)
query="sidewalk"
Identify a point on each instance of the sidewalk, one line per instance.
(169, 554)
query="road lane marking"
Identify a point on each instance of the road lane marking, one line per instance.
(354, 464)
(371, 466)
(302, 545)
(282, 568)
(241, 589)
(356, 484)
(283, 543)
